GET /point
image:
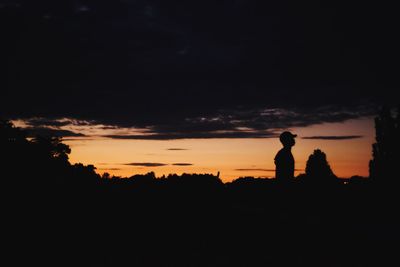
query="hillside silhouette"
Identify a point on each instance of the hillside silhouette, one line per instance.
(62, 214)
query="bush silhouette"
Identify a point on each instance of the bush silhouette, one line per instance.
(318, 169)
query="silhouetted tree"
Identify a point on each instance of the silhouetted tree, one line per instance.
(52, 147)
(14, 148)
(106, 175)
(10, 134)
(12, 139)
(318, 169)
(84, 174)
(39, 163)
(385, 161)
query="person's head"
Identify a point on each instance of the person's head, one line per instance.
(287, 139)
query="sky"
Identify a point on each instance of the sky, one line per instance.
(348, 154)
(123, 81)
(233, 158)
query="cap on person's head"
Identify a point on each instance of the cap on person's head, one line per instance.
(286, 136)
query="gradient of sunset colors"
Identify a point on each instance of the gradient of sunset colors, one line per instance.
(136, 86)
(233, 158)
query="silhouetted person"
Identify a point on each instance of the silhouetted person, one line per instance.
(284, 160)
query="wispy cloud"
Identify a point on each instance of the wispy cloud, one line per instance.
(195, 135)
(333, 137)
(177, 149)
(146, 164)
(262, 170)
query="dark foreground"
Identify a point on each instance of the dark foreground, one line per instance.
(192, 223)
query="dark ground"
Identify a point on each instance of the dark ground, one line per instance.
(175, 223)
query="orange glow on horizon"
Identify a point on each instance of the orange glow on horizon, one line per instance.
(233, 158)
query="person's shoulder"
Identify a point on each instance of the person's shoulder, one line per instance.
(279, 154)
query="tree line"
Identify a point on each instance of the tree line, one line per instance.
(47, 158)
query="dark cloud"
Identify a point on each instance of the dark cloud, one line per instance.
(40, 122)
(146, 164)
(155, 164)
(262, 170)
(227, 123)
(157, 64)
(177, 149)
(59, 122)
(199, 135)
(246, 123)
(32, 132)
(109, 127)
(340, 137)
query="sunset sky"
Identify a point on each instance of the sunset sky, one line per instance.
(232, 157)
(146, 131)
(347, 145)
(199, 86)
